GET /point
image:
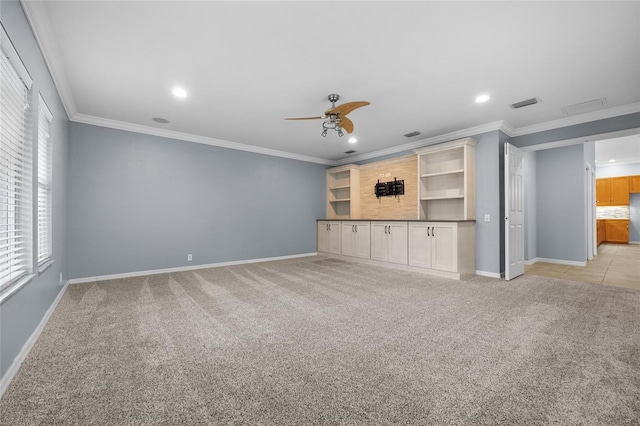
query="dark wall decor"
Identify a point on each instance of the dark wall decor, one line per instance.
(386, 189)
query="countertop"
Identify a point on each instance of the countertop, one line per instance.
(392, 220)
(612, 218)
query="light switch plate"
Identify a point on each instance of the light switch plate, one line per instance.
(487, 218)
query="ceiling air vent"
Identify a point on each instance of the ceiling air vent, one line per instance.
(412, 134)
(584, 107)
(525, 103)
(349, 152)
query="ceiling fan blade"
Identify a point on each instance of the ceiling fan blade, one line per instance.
(346, 124)
(304, 118)
(345, 109)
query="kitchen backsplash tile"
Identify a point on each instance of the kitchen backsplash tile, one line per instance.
(612, 212)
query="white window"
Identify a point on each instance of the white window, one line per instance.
(44, 182)
(15, 214)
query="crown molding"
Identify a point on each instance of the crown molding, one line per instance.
(578, 119)
(459, 134)
(38, 19)
(137, 128)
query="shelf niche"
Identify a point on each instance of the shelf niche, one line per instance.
(446, 181)
(343, 192)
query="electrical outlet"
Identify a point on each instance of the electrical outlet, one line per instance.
(487, 218)
(189, 257)
(388, 174)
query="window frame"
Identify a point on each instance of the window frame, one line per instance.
(44, 166)
(15, 170)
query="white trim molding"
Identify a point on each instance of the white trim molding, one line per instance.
(578, 119)
(489, 274)
(26, 348)
(138, 128)
(459, 134)
(184, 268)
(557, 261)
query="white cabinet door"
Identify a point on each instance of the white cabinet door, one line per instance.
(335, 243)
(379, 242)
(397, 236)
(348, 238)
(389, 242)
(420, 244)
(323, 236)
(445, 247)
(362, 239)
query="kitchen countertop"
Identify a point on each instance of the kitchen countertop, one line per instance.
(392, 220)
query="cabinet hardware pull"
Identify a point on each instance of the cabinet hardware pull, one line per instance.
(356, 228)
(389, 229)
(428, 231)
(352, 228)
(433, 231)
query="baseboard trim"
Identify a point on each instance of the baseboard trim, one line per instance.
(634, 242)
(488, 274)
(26, 348)
(558, 261)
(184, 268)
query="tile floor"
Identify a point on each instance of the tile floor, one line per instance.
(615, 265)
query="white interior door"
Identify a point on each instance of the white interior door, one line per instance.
(514, 211)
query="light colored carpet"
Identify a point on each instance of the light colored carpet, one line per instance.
(325, 341)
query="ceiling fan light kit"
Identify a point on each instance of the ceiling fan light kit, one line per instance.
(336, 116)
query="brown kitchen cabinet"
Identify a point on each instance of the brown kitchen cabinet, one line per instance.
(612, 191)
(601, 231)
(634, 184)
(617, 231)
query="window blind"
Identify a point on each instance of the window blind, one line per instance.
(14, 199)
(44, 182)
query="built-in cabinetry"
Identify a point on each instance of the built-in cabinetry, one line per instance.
(634, 184)
(343, 192)
(329, 240)
(616, 231)
(446, 181)
(440, 248)
(356, 239)
(612, 191)
(446, 246)
(389, 242)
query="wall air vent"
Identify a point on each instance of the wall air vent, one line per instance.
(349, 152)
(525, 103)
(584, 107)
(412, 134)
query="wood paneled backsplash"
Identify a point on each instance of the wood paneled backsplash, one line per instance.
(402, 207)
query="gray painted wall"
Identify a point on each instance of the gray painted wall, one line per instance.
(561, 227)
(141, 202)
(488, 196)
(21, 313)
(530, 203)
(634, 218)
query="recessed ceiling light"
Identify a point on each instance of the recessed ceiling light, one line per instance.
(482, 98)
(612, 161)
(353, 140)
(179, 92)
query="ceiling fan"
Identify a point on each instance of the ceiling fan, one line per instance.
(336, 115)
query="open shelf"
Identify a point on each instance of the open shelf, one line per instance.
(447, 181)
(343, 191)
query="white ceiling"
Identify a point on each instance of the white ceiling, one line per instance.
(247, 65)
(621, 150)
